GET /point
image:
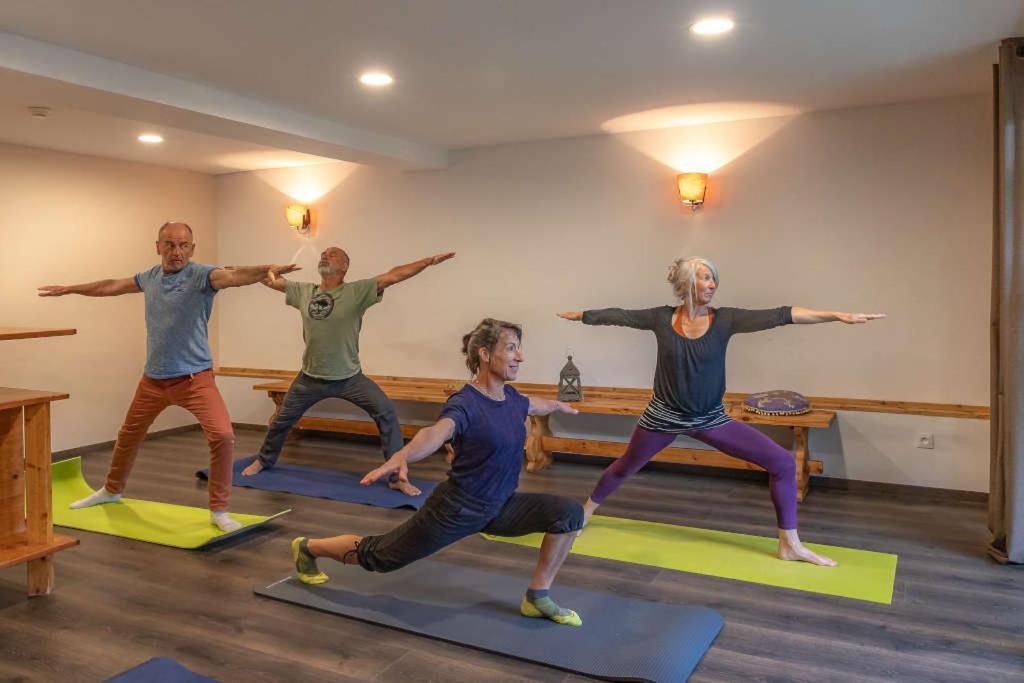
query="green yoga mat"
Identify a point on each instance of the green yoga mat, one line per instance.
(178, 526)
(861, 574)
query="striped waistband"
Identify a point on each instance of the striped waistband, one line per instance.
(660, 417)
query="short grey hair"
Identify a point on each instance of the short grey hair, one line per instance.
(682, 275)
(160, 230)
(486, 335)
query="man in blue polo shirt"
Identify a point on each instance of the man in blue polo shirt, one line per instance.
(179, 368)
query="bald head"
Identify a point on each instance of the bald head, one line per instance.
(177, 225)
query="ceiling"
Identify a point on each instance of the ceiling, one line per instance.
(69, 129)
(283, 74)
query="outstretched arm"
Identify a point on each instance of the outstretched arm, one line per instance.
(240, 276)
(546, 406)
(807, 316)
(399, 273)
(642, 319)
(426, 441)
(99, 288)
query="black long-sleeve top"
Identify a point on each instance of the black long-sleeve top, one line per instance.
(690, 374)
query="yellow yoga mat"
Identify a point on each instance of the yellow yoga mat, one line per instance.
(861, 574)
(179, 526)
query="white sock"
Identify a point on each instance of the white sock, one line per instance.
(98, 497)
(224, 521)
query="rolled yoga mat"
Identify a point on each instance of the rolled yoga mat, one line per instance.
(621, 638)
(140, 520)
(317, 482)
(861, 574)
(160, 670)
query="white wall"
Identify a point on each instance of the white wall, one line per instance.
(67, 219)
(873, 209)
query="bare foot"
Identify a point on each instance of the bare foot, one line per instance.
(790, 548)
(405, 487)
(255, 467)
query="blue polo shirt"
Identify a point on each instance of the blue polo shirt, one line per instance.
(488, 441)
(178, 308)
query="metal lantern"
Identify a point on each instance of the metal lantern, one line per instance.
(569, 388)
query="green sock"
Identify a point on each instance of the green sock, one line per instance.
(305, 563)
(541, 601)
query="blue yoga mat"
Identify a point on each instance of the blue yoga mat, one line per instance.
(621, 639)
(160, 670)
(322, 483)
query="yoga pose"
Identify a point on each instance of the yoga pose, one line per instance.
(332, 315)
(486, 421)
(689, 384)
(179, 299)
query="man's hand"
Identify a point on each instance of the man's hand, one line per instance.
(284, 270)
(571, 315)
(54, 290)
(440, 258)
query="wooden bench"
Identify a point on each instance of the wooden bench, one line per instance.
(541, 443)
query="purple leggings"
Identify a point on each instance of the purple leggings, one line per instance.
(732, 438)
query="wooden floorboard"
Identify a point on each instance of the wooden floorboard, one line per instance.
(956, 616)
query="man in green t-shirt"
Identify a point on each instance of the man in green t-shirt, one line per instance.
(332, 315)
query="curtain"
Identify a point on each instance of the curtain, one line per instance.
(1006, 484)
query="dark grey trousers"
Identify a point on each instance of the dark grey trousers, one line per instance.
(306, 391)
(451, 514)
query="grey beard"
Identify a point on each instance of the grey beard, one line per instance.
(328, 271)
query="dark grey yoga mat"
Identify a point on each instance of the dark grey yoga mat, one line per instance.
(621, 639)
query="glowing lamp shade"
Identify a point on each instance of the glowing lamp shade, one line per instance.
(712, 27)
(692, 188)
(297, 216)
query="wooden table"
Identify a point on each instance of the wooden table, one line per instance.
(26, 520)
(8, 333)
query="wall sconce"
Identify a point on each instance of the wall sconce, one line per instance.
(692, 188)
(298, 218)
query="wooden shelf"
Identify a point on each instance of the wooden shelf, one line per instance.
(17, 398)
(11, 555)
(7, 333)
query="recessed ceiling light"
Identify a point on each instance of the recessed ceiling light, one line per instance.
(151, 138)
(377, 79)
(712, 26)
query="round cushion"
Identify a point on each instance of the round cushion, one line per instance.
(777, 402)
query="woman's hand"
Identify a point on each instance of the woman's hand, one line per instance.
(396, 463)
(571, 315)
(563, 407)
(857, 318)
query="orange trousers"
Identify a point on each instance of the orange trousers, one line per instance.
(198, 395)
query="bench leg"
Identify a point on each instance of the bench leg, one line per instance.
(38, 507)
(803, 462)
(536, 429)
(40, 576)
(277, 398)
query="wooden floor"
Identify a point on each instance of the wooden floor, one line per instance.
(956, 615)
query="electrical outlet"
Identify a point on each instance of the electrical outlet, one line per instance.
(925, 441)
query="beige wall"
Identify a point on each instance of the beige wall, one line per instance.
(67, 219)
(873, 209)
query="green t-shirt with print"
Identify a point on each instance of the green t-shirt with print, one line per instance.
(331, 320)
